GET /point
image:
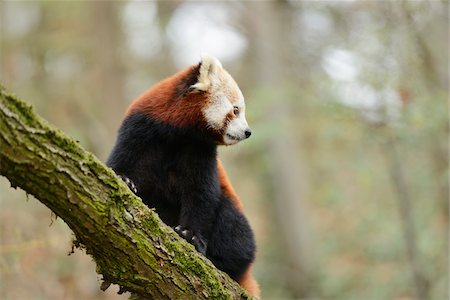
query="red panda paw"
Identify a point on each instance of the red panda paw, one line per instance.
(129, 183)
(198, 242)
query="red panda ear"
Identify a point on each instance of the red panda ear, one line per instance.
(208, 68)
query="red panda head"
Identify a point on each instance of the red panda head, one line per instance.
(202, 96)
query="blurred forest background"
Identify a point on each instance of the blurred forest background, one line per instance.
(345, 178)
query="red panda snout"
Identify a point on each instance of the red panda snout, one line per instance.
(236, 131)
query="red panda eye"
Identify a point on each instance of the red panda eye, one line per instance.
(236, 111)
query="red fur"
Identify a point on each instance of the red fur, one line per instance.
(249, 283)
(161, 102)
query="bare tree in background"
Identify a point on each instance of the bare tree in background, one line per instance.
(269, 25)
(106, 76)
(433, 78)
(420, 284)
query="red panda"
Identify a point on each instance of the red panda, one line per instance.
(166, 151)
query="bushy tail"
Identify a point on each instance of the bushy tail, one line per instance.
(249, 283)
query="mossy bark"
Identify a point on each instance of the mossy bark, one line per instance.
(128, 241)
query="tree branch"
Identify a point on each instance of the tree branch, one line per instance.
(127, 240)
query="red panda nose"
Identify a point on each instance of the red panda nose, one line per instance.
(248, 133)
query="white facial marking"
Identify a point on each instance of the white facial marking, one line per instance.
(224, 96)
(217, 110)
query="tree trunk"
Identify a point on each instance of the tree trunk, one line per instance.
(127, 240)
(271, 23)
(420, 284)
(106, 72)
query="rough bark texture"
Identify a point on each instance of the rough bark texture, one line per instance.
(129, 243)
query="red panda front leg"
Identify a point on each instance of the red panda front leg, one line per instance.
(197, 214)
(199, 243)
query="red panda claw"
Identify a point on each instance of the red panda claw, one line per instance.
(199, 244)
(192, 238)
(129, 183)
